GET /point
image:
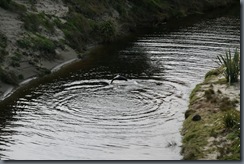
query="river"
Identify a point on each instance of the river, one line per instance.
(78, 115)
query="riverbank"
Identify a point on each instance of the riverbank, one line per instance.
(211, 130)
(45, 34)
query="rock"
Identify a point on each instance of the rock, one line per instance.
(196, 117)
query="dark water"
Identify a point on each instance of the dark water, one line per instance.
(77, 115)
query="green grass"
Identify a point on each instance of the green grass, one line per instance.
(213, 73)
(232, 119)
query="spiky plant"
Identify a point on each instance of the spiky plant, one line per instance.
(231, 65)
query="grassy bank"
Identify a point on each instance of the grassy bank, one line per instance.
(216, 134)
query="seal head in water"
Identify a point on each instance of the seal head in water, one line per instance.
(118, 77)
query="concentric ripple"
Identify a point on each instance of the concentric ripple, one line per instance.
(86, 117)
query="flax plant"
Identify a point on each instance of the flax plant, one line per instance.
(231, 65)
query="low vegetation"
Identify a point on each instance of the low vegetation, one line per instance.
(40, 43)
(231, 65)
(8, 77)
(35, 22)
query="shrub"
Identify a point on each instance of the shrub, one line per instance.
(24, 43)
(39, 43)
(107, 30)
(8, 77)
(43, 44)
(5, 4)
(21, 77)
(232, 65)
(76, 30)
(32, 22)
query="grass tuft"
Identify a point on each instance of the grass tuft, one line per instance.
(231, 65)
(232, 119)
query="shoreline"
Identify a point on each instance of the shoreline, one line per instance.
(10, 89)
(67, 57)
(7, 89)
